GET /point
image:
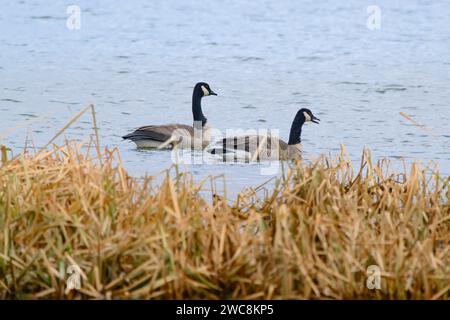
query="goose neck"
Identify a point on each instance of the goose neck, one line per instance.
(296, 130)
(197, 108)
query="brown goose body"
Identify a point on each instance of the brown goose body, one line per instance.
(255, 148)
(170, 135)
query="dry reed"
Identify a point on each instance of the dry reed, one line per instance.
(312, 237)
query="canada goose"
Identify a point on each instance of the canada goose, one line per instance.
(265, 147)
(158, 136)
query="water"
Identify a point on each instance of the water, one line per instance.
(137, 61)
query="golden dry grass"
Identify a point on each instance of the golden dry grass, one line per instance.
(312, 237)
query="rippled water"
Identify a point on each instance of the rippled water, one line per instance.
(137, 61)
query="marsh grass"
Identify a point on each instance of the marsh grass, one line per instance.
(312, 236)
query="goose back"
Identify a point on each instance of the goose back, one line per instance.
(159, 133)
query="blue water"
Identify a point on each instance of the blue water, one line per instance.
(137, 61)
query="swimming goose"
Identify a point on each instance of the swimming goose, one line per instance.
(265, 147)
(158, 136)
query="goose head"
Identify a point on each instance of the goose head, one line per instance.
(203, 89)
(303, 115)
(308, 115)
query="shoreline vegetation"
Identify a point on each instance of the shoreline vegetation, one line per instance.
(314, 235)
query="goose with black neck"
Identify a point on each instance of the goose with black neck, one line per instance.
(265, 147)
(180, 135)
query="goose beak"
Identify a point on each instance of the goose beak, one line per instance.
(315, 120)
(212, 93)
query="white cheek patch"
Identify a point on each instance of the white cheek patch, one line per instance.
(205, 91)
(307, 116)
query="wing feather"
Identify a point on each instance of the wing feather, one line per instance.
(250, 144)
(159, 132)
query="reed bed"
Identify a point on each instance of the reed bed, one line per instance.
(312, 236)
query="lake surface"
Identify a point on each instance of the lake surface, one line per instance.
(138, 61)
